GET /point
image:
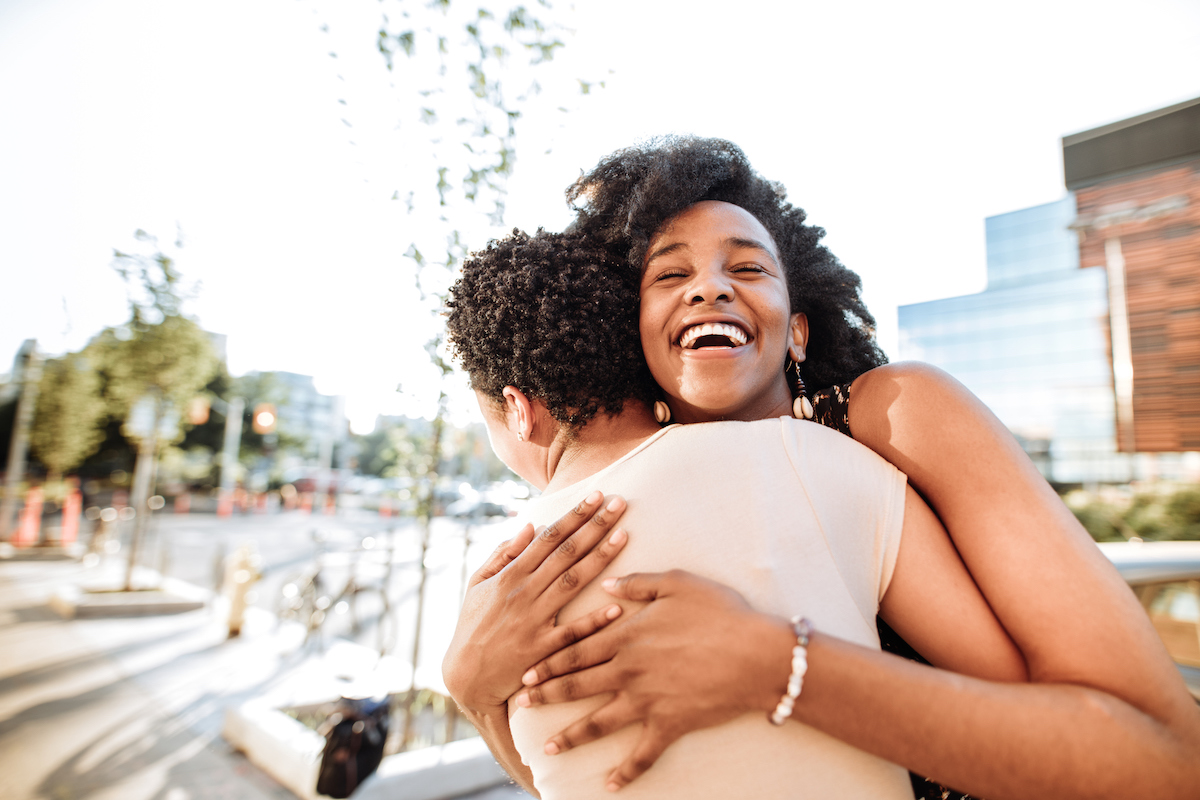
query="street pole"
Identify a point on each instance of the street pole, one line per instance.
(143, 478)
(425, 510)
(229, 454)
(31, 376)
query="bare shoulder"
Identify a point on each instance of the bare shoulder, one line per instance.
(908, 391)
(920, 418)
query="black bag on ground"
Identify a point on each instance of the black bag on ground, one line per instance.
(354, 736)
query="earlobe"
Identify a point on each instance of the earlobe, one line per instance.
(799, 337)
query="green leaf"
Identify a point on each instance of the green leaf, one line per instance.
(407, 42)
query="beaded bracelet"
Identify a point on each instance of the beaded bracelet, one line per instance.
(799, 666)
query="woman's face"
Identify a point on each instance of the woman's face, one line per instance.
(716, 323)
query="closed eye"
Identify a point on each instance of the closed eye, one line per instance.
(670, 273)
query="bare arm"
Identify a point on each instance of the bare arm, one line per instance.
(1064, 605)
(933, 603)
(1109, 715)
(508, 619)
(992, 739)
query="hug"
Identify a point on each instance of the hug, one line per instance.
(740, 497)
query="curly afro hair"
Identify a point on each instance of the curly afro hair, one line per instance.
(555, 318)
(628, 197)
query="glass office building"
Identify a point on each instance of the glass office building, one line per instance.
(1033, 345)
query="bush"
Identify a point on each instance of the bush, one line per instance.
(1161, 513)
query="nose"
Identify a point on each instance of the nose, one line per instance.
(710, 285)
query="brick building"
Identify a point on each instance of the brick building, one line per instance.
(1137, 193)
(1086, 341)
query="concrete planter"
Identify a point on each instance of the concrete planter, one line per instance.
(97, 598)
(290, 751)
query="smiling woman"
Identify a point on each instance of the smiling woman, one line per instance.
(718, 360)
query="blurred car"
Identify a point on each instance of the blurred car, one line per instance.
(1165, 576)
(479, 508)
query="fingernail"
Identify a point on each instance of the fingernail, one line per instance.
(618, 537)
(609, 583)
(613, 786)
(593, 498)
(614, 504)
(529, 678)
(523, 700)
(551, 749)
(613, 612)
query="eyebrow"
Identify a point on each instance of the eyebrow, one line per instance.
(732, 241)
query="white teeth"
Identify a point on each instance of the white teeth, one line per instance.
(732, 332)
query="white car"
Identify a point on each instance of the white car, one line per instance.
(1165, 576)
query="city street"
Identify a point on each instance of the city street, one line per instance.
(190, 546)
(131, 708)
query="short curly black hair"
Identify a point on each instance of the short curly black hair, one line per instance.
(554, 317)
(628, 197)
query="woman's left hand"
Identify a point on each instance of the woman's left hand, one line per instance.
(695, 657)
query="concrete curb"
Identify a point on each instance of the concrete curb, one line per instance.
(433, 773)
(171, 596)
(42, 552)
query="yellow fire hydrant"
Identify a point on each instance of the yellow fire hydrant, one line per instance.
(242, 570)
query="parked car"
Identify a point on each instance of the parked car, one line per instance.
(1165, 576)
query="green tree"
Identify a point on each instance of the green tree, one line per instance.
(464, 74)
(160, 359)
(68, 425)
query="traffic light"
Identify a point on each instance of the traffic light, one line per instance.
(264, 418)
(197, 410)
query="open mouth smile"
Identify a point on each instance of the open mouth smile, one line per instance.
(713, 335)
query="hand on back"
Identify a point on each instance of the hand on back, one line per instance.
(508, 619)
(695, 657)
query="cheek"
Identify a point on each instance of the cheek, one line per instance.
(648, 328)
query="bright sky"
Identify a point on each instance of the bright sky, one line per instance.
(898, 126)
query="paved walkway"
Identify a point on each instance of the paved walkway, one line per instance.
(128, 709)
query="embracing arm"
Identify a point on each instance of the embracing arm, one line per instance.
(1107, 714)
(1073, 618)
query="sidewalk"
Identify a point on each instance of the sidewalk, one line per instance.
(129, 708)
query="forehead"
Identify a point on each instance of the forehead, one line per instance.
(712, 221)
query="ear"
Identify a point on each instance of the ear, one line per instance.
(519, 412)
(799, 337)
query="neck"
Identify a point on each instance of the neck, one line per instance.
(599, 443)
(777, 404)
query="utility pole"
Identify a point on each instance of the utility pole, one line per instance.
(31, 376)
(144, 475)
(229, 454)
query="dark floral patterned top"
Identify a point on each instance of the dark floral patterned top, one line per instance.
(832, 409)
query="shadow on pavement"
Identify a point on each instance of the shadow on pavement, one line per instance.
(23, 681)
(168, 747)
(37, 613)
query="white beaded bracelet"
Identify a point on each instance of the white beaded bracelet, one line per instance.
(799, 666)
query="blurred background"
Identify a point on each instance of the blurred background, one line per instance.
(225, 229)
